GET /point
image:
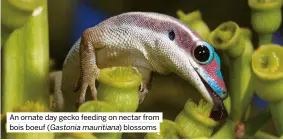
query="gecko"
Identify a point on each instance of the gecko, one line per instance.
(150, 43)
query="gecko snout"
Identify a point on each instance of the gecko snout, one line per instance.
(219, 111)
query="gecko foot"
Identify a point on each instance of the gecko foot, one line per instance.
(85, 81)
(143, 91)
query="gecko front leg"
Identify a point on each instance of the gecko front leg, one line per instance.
(88, 69)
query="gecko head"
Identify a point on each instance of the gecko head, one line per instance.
(195, 60)
(206, 63)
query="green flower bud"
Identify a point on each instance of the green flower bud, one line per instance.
(194, 20)
(119, 86)
(265, 18)
(194, 120)
(267, 65)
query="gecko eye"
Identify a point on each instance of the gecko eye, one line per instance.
(203, 53)
(171, 35)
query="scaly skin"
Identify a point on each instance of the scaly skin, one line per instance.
(149, 42)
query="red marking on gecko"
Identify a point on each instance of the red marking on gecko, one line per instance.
(211, 71)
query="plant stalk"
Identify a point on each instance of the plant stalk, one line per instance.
(226, 131)
(277, 115)
(26, 56)
(265, 39)
(263, 135)
(253, 124)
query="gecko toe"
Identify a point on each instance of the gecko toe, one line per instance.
(77, 86)
(142, 92)
(142, 95)
(79, 102)
(141, 100)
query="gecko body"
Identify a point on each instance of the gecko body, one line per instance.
(149, 42)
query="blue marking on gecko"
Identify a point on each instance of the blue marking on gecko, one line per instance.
(218, 71)
(212, 84)
(217, 58)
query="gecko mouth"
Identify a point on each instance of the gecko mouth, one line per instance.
(218, 111)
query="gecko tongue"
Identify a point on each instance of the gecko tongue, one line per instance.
(218, 112)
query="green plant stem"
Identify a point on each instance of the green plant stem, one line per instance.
(194, 120)
(13, 74)
(5, 32)
(265, 39)
(37, 57)
(119, 86)
(249, 137)
(26, 55)
(241, 90)
(248, 113)
(246, 88)
(225, 59)
(227, 104)
(277, 115)
(263, 135)
(226, 131)
(253, 124)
